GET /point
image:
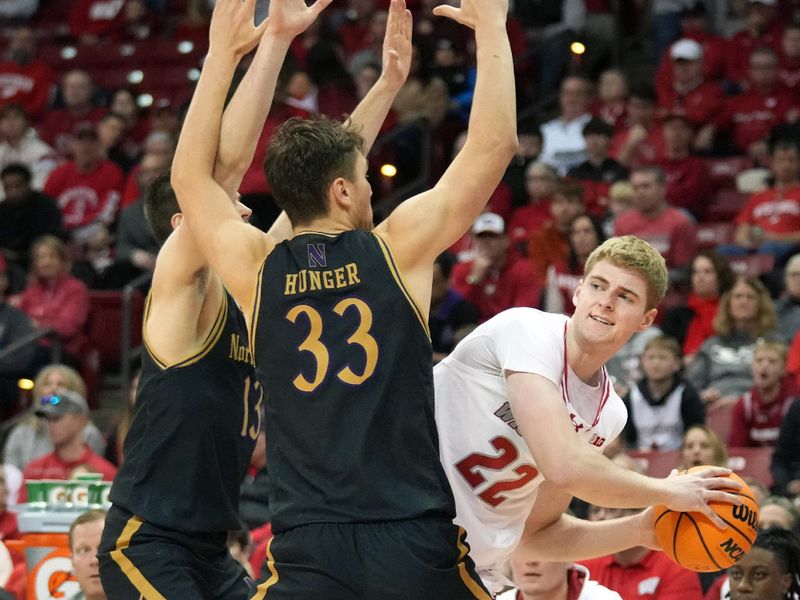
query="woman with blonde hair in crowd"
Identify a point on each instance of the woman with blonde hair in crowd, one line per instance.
(702, 446)
(720, 370)
(29, 439)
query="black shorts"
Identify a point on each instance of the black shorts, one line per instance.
(140, 560)
(423, 559)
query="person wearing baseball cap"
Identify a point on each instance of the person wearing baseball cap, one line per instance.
(700, 100)
(495, 279)
(66, 413)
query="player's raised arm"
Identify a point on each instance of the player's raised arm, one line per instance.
(425, 225)
(232, 248)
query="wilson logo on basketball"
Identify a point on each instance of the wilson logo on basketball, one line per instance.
(732, 549)
(745, 515)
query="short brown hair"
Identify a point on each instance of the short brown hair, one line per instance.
(665, 342)
(303, 158)
(630, 252)
(90, 516)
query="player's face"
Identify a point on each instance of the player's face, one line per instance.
(85, 540)
(768, 368)
(539, 578)
(362, 194)
(611, 305)
(758, 576)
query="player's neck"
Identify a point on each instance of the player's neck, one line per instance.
(335, 222)
(585, 363)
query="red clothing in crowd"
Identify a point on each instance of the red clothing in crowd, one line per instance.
(755, 423)
(513, 285)
(96, 17)
(59, 124)
(86, 197)
(51, 466)
(29, 86)
(527, 219)
(9, 529)
(547, 246)
(671, 233)
(790, 74)
(567, 282)
(714, 48)
(613, 114)
(749, 117)
(648, 152)
(701, 327)
(742, 44)
(62, 306)
(700, 104)
(773, 210)
(655, 576)
(688, 184)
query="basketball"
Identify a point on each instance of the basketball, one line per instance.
(694, 542)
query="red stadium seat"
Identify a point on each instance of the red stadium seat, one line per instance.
(724, 170)
(710, 235)
(725, 205)
(752, 265)
(752, 462)
(719, 421)
(657, 464)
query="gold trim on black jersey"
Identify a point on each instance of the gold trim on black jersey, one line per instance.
(467, 577)
(273, 575)
(399, 279)
(256, 308)
(208, 343)
(134, 575)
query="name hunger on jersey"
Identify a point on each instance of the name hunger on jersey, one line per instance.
(239, 351)
(324, 279)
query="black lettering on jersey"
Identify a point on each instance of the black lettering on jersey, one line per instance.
(316, 255)
(506, 416)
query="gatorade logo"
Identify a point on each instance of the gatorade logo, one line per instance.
(53, 578)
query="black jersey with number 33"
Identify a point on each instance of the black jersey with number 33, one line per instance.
(345, 354)
(193, 433)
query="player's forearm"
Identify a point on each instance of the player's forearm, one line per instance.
(369, 115)
(570, 539)
(493, 118)
(243, 119)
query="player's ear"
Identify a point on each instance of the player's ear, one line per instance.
(577, 293)
(648, 319)
(340, 192)
(176, 220)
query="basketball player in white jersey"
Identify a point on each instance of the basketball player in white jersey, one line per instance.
(525, 407)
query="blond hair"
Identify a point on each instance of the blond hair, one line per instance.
(72, 379)
(779, 348)
(630, 252)
(665, 342)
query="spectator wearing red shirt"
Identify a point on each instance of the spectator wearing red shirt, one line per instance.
(87, 188)
(758, 413)
(612, 98)
(54, 299)
(599, 171)
(67, 414)
(668, 229)
(495, 279)
(749, 117)
(688, 177)
(94, 20)
(641, 573)
(549, 244)
(689, 92)
(76, 92)
(761, 29)
(641, 141)
(24, 79)
(789, 56)
(540, 182)
(770, 221)
(9, 529)
(162, 145)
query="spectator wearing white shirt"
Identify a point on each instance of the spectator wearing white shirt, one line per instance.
(564, 146)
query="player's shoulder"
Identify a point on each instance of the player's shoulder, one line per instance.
(525, 317)
(508, 595)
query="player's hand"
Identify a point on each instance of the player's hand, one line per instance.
(232, 27)
(473, 13)
(290, 18)
(397, 45)
(692, 492)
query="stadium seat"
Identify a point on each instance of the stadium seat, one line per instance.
(752, 265)
(656, 463)
(711, 235)
(752, 462)
(723, 170)
(719, 421)
(725, 205)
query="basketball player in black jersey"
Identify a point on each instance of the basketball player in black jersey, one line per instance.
(199, 401)
(337, 321)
